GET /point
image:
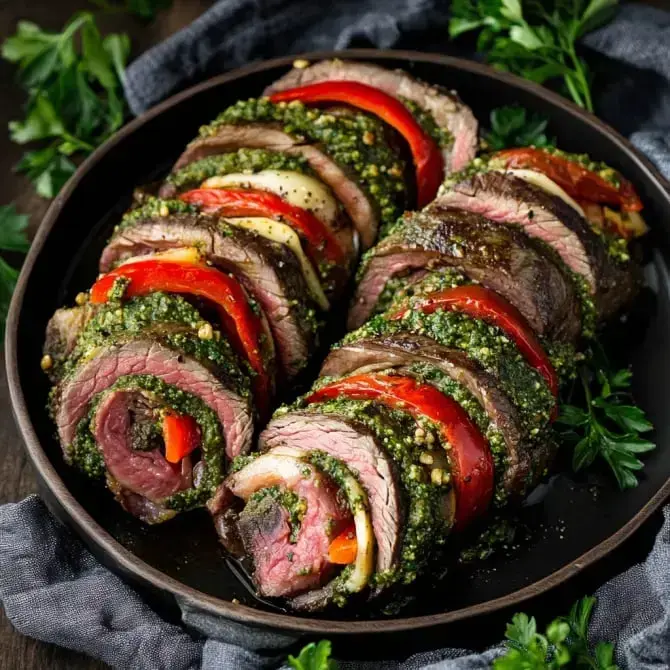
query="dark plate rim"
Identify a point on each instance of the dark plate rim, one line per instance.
(185, 595)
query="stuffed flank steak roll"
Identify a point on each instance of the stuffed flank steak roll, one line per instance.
(145, 401)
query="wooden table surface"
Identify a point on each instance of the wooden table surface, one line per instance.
(16, 477)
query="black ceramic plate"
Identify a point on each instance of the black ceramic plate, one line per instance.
(566, 525)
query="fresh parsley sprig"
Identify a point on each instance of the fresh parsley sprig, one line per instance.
(314, 656)
(515, 126)
(75, 100)
(608, 426)
(12, 238)
(534, 38)
(563, 644)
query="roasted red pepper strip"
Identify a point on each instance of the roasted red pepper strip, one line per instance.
(426, 154)
(577, 181)
(470, 454)
(343, 549)
(181, 435)
(482, 303)
(242, 325)
(247, 202)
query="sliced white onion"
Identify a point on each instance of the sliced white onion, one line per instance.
(542, 181)
(265, 471)
(283, 234)
(296, 188)
(180, 255)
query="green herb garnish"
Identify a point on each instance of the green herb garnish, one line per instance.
(315, 656)
(609, 427)
(514, 126)
(537, 40)
(75, 101)
(564, 643)
(12, 238)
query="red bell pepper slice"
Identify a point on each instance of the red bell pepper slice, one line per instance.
(576, 180)
(247, 202)
(471, 459)
(242, 325)
(426, 154)
(482, 303)
(344, 548)
(181, 435)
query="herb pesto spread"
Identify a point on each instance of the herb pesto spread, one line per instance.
(245, 161)
(165, 318)
(86, 455)
(354, 141)
(398, 289)
(442, 136)
(484, 343)
(430, 374)
(154, 208)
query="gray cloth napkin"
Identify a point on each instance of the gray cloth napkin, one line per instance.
(53, 589)
(50, 585)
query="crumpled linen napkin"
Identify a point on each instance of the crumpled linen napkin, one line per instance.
(53, 589)
(50, 585)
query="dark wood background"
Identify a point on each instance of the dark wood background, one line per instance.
(16, 477)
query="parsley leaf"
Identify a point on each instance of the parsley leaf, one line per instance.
(610, 426)
(513, 126)
(564, 643)
(537, 40)
(12, 238)
(315, 656)
(13, 229)
(75, 100)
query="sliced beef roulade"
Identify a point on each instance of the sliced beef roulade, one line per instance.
(283, 188)
(500, 258)
(519, 460)
(529, 379)
(405, 476)
(298, 509)
(144, 399)
(441, 112)
(603, 275)
(348, 152)
(268, 270)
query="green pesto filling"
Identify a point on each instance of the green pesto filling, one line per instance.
(397, 290)
(425, 526)
(154, 208)
(484, 343)
(295, 506)
(354, 141)
(246, 161)
(85, 454)
(564, 359)
(430, 374)
(442, 136)
(166, 317)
